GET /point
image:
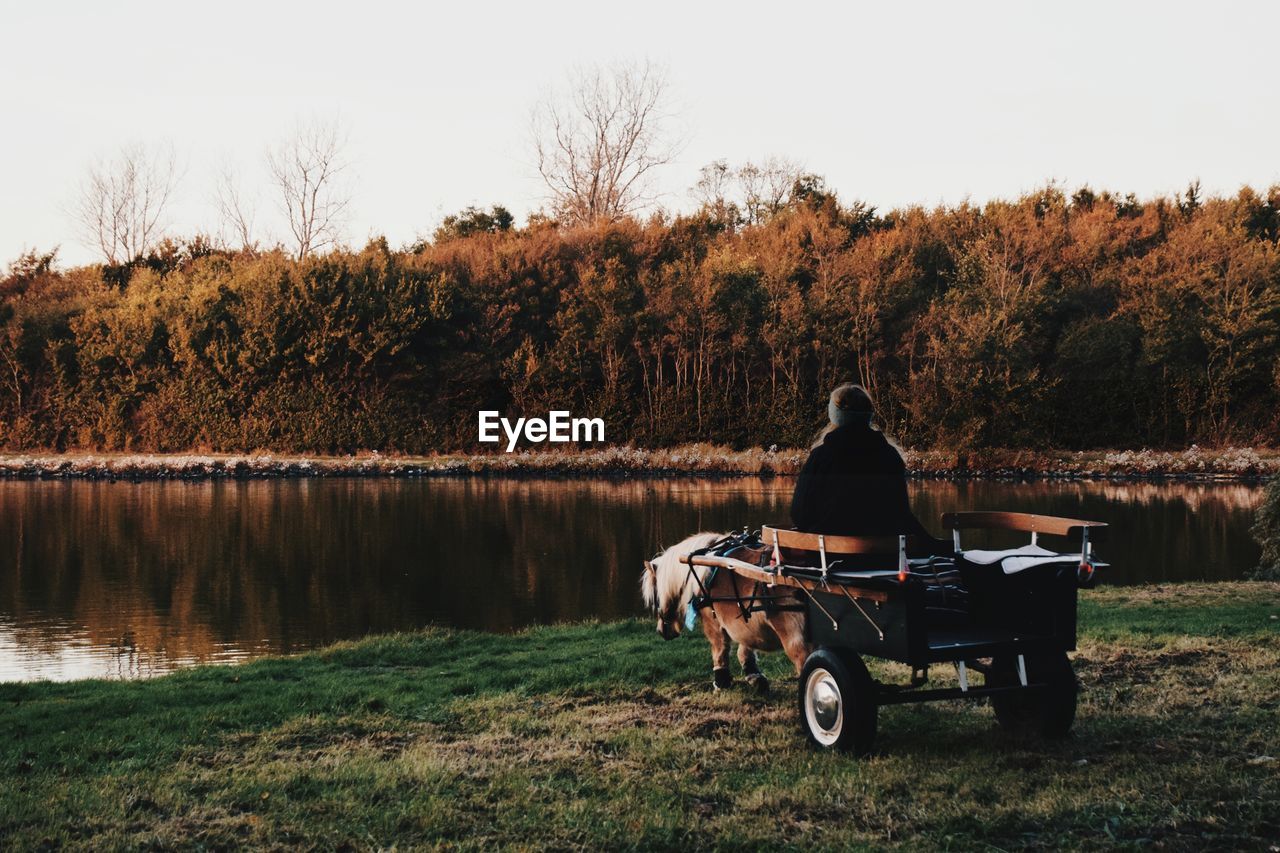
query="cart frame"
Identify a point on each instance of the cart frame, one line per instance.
(867, 597)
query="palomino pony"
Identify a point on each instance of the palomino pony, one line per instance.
(668, 589)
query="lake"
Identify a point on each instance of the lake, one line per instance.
(125, 580)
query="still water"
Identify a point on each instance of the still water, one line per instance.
(134, 579)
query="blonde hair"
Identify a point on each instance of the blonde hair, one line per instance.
(851, 398)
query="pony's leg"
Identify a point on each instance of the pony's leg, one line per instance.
(751, 668)
(720, 676)
(790, 628)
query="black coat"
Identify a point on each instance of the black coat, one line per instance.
(854, 484)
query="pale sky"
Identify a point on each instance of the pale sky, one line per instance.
(894, 103)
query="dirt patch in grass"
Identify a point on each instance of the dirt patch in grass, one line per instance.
(1192, 594)
(306, 742)
(1127, 667)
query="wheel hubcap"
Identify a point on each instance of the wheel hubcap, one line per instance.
(824, 707)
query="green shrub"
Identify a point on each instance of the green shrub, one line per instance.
(1267, 531)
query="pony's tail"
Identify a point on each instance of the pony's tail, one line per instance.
(649, 584)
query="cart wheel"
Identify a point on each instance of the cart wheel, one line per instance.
(1048, 712)
(838, 701)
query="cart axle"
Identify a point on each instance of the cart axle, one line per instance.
(890, 694)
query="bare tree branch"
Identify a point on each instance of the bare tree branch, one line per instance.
(236, 211)
(122, 202)
(766, 188)
(598, 145)
(751, 193)
(714, 188)
(305, 170)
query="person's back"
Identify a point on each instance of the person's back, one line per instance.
(854, 481)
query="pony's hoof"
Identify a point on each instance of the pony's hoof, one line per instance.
(721, 679)
(759, 684)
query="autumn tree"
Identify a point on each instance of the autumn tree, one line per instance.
(1084, 320)
(474, 220)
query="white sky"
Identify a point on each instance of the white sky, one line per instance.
(894, 103)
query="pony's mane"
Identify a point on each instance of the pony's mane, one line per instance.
(668, 580)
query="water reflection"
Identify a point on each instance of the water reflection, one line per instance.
(131, 579)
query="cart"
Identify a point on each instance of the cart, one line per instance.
(1007, 615)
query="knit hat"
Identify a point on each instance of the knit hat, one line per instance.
(849, 404)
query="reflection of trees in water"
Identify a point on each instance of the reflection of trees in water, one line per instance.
(152, 573)
(1213, 496)
(179, 571)
(1196, 495)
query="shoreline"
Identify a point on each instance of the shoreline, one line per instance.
(1249, 465)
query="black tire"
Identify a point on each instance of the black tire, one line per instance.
(837, 699)
(1047, 712)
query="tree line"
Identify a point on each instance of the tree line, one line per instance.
(1077, 320)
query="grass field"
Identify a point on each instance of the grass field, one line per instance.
(603, 736)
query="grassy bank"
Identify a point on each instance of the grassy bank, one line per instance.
(1194, 463)
(603, 736)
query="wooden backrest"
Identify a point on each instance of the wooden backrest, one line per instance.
(788, 538)
(1024, 521)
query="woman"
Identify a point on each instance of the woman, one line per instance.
(854, 482)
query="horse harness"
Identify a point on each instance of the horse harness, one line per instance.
(758, 601)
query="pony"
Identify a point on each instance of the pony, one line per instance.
(668, 587)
